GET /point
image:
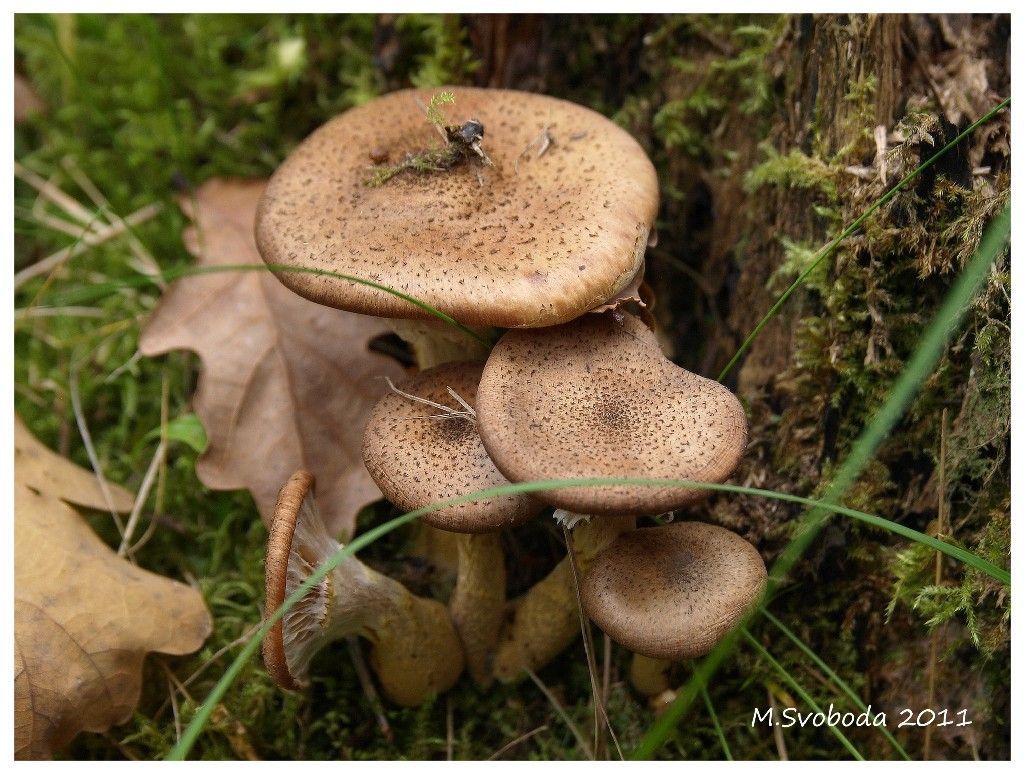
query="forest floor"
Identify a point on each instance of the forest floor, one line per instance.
(144, 111)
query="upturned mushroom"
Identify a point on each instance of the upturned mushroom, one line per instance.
(421, 447)
(415, 650)
(673, 592)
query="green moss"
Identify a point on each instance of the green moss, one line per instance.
(791, 170)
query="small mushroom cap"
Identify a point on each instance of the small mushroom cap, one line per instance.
(535, 240)
(417, 459)
(673, 592)
(279, 546)
(597, 398)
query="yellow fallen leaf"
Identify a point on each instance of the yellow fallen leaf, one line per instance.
(84, 618)
(286, 383)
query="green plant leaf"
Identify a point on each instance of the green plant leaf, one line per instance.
(187, 429)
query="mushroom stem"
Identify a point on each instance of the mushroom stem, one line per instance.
(478, 601)
(477, 604)
(649, 676)
(545, 618)
(415, 650)
(434, 342)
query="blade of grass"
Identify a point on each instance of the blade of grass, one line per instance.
(920, 365)
(580, 740)
(802, 692)
(367, 538)
(832, 675)
(97, 291)
(830, 248)
(714, 720)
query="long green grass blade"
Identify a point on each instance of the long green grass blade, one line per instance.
(714, 720)
(830, 248)
(802, 692)
(933, 341)
(89, 293)
(832, 676)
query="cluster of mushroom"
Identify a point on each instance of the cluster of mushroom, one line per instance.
(544, 235)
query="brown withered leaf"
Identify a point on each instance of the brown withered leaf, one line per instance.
(27, 101)
(84, 618)
(286, 383)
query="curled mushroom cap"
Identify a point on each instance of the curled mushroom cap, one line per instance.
(596, 398)
(673, 592)
(277, 567)
(415, 650)
(536, 239)
(419, 454)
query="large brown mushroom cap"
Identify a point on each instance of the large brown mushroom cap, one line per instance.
(541, 240)
(673, 592)
(417, 459)
(597, 398)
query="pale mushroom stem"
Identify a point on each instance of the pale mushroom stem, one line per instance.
(648, 675)
(477, 604)
(434, 342)
(415, 650)
(478, 601)
(546, 620)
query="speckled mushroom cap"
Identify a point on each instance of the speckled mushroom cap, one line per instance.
(417, 460)
(596, 398)
(540, 241)
(279, 546)
(673, 592)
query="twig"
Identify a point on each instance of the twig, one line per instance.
(28, 313)
(140, 499)
(469, 414)
(213, 658)
(161, 479)
(512, 743)
(543, 141)
(588, 647)
(90, 450)
(584, 745)
(93, 238)
(56, 223)
(449, 727)
(48, 190)
(171, 692)
(144, 257)
(780, 741)
(606, 677)
(942, 521)
(136, 356)
(125, 751)
(369, 690)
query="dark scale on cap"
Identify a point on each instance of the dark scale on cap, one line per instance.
(417, 459)
(673, 592)
(596, 398)
(474, 251)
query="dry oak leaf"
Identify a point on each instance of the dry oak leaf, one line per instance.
(27, 101)
(84, 618)
(286, 383)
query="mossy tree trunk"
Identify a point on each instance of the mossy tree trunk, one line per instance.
(770, 134)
